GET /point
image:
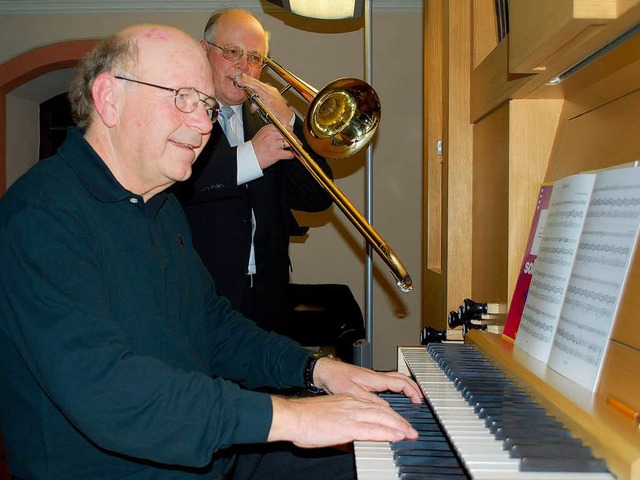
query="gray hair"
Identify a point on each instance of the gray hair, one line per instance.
(113, 52)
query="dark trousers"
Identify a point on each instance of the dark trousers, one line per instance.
(283, 461)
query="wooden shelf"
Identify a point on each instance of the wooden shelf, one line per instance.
(546, 30)
(493, 82)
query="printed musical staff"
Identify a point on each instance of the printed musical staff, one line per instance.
(580, 271)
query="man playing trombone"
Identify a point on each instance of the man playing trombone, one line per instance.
(239, 198)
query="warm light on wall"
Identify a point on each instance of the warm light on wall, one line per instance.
(323, 9)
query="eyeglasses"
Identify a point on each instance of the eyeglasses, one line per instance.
(186, 98)
(234, 54)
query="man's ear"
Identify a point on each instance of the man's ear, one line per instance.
(205, 46)
(105, 96)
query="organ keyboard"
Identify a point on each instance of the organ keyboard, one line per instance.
(489, 427)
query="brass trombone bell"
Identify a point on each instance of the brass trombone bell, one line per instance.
(342, 118)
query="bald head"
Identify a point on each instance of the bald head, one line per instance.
(138, 48)
(235, 18)
(164, 49)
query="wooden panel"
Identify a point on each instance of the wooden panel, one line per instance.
(485, 30)
(620, 374)
(490, 207)
(443, 292)
(433, 171)
(512, 147)
(626, 328)
(458, 152)
(434, 271)
(532, 132)
(605, 79)
(613, 134)
(492, 84)
(594, 38)
(543, 29)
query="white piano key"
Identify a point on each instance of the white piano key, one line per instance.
(374, 461)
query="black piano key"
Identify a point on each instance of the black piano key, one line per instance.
(472, 394)
(433, 476)
(408, 460)
(415, 413)
(492, 375)
(486, 409)
(559, 442)
(487, 388)
(441, 444)
(508, 411)
(493, 423)
(426, 427)
(429, 435)
(567, 464)
(492, 392)
(550, 450)
(503, 433)
(427, 469)
(460, 381)
(399, 452)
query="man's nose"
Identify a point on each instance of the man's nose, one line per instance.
(199, 118)
(242, 63)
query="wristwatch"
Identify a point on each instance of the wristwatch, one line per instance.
(309, 367)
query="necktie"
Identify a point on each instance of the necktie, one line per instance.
(227, 125)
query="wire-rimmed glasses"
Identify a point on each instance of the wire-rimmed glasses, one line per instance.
(234, 54)
(186, 98)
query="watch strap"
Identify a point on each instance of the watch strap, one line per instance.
(309, 367)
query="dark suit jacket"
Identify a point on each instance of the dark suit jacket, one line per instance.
(219, 212)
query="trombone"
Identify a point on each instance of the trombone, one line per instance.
(342, 119)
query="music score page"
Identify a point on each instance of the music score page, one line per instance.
(556, 254)
(571, 315)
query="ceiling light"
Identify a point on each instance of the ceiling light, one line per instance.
(323, 9)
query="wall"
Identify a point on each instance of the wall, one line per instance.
(334, 251)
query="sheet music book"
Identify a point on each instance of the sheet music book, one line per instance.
(521, 290)
(579, 274)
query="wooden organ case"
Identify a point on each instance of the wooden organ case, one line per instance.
(497, 126)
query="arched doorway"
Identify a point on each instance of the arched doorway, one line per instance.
(27, 66)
